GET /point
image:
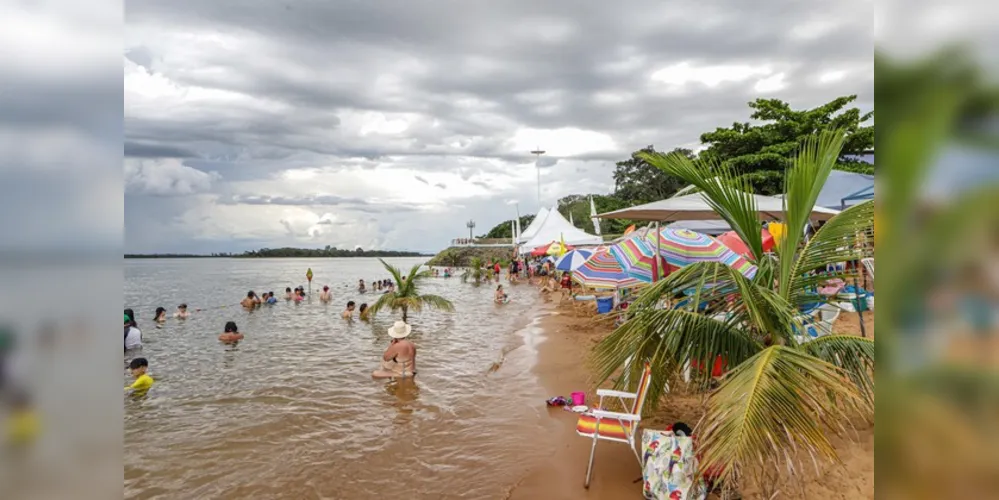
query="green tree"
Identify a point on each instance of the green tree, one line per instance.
(637, 182)
(406, 296)
(503, 229)
(476, 272)
(775, 405)
(761, 153)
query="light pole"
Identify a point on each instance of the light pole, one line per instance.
(470, 225)
(537, 163)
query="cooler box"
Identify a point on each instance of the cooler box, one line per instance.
(605, 305)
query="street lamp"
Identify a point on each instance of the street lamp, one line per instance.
(470, 225)
(537, 163)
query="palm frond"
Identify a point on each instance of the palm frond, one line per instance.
(803, 182)
(385, 300)
(854, 355)
(773, 407)
(437, 302)
(724, 191)
(670, 340)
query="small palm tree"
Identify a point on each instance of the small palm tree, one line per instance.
(476, 272)
(406, 295)
(781, 397)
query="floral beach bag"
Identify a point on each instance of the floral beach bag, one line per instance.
(670, 469)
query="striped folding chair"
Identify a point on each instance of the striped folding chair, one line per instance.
(600, 424)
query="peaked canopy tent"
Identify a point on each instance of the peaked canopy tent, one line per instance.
(533, 227)
(695, 207)
(554, 227)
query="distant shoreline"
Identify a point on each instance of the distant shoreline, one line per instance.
(268, 256)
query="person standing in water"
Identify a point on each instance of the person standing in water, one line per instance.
(362, 312)
(181, 312)
(160, 315)
(360, 286)
(250, 301)
(325, 296)
(133, 336)
(399, 360)
(348, 313)
(231, 334)
(501, 296)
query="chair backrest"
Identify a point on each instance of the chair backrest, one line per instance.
(869, 264)
(643, 390)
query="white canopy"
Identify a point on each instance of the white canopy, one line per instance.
(532, 228)
(695, 207)
(554, 227)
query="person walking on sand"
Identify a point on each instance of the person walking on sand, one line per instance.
(399, 360)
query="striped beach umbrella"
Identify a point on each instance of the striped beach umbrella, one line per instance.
(601, 270)
(572, 260)
(636, 257)
(682, 247)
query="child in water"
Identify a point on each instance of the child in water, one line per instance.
(501, 297)
(181, 312)
(231, 334)
(143, 381)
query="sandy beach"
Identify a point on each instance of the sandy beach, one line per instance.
(562, 368)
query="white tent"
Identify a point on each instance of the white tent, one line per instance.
(532, 228)
(554, 227)
(695, 207)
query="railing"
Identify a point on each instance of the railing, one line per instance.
(459, 242)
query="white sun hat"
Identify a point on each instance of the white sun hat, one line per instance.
(400, 330)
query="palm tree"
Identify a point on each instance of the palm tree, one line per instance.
(476, 272)
(780, 397)
(406, 295)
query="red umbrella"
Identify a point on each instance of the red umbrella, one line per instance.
(732, 240)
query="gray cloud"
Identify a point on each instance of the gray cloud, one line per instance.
(292, 85)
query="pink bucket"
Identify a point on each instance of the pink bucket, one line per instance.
(578, 398)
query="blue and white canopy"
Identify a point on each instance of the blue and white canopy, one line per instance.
(572, 260)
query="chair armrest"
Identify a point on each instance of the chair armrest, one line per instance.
(615, 415)
(615, 394)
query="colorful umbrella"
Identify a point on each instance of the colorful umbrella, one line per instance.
(636, 257)
(682, 247)
(572, 260)
(732, 240)
(601, 270)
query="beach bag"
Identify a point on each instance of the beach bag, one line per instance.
(670, 467)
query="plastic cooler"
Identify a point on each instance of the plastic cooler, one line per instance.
(605, 305)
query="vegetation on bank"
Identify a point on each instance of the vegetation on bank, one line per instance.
(757, 153)
(286, 252)
(462, 256)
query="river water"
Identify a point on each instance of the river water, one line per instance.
(292, 410)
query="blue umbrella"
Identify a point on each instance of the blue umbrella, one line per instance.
(572, 260)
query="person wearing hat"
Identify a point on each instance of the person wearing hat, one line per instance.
(399, 360)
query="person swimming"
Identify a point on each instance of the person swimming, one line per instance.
(231, 334)
(181, 312)
(160, 316)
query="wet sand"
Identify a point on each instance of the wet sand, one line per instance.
(562, 369)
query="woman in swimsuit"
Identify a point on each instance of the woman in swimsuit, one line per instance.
(399, 360)
(160, 315)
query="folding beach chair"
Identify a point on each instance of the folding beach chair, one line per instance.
(599, 424)
(869, 265)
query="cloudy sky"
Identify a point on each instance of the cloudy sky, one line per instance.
(390, 124)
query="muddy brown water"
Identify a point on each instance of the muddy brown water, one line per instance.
(292, 411)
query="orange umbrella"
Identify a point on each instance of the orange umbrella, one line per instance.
(732, 240)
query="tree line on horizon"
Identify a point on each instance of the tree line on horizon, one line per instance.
(328, 251)
(758, 152)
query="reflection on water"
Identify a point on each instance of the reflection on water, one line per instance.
(291, 411)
